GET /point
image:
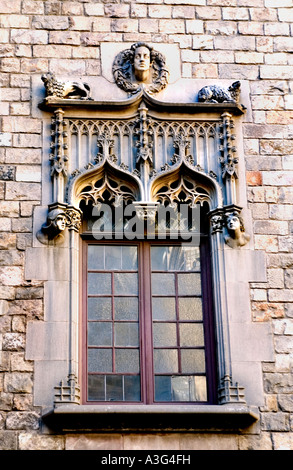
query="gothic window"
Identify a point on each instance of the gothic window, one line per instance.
(148, 333)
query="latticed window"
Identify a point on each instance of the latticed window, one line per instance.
(148, 326)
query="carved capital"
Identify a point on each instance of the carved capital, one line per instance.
(217, 220)
(73, 216)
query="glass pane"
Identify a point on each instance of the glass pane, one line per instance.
(189, 284)
(126, 334)
(96, 257)
(100, 360)
(126, 308)
(200, 388)
(163, 284)
(99, 308)
(163, 308)
(191, 334)
(127, 360)
(175, 258)
(192, 361)
(163, 388)
(164, 334)
(165, 361)
(190, 308)
(99, 283)
(96, 387)
(129, 258)
(159, 258)
(125, 283)
(132, 388)
(114, 388)
(113, 257)
(189, 388)
(99, 334)
(183, 258)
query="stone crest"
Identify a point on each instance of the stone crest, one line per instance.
(140, 66)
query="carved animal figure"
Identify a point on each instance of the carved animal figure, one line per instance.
(57, 89)
(217, 94)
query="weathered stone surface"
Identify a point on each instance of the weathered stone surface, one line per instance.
(8, 440)
(22, 420)
(18, 382)
(13, 342)
(34, 441)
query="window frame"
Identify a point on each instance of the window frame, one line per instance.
(145, 322)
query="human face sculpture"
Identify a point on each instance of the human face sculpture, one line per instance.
(141, 60)
(60, 222)
(233, 222)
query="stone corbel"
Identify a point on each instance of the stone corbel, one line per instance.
(60, 216)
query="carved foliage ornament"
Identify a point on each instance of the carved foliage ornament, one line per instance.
(140, 65)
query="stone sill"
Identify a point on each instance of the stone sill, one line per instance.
(171, 418)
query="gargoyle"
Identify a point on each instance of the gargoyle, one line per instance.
(70, 90)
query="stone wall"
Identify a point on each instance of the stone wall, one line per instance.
(249, 40)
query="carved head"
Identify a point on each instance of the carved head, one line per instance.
(142, 59)
(56, 220)
(234, 223)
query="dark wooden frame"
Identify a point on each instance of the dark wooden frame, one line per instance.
(145, 320)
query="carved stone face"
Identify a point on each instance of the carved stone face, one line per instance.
(233, 222)
(60, 222)
(141, 59)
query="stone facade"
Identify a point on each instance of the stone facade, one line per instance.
(217, 41)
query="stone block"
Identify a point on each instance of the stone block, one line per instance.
(22, 402)
(23, 156)
(33, 441)
(27, 36)
(5, 139)
(13, 342)
(19, 364)
(18, 382)
(23, 191)
(94, 442)
(64, 37)
(22, 420)
(282, 441)
(7, 172)
(160, 11)
(277, 178)
(28, 173)
(47, 341)
(47, 375)
(11, 275)
(271, 227)
(8, 440)
(32, 7)
(50, 22)
(245, 344)
(275, 422)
